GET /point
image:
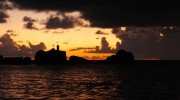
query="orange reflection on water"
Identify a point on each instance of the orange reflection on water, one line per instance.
(54, 84)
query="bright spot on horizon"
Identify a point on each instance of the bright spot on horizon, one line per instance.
(123, 28)
(171, 27)
(161, 34)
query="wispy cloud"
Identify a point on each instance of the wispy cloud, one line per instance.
(81, 48)
(99, 32)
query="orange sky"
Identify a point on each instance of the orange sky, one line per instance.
(88, 30)
(79, 36)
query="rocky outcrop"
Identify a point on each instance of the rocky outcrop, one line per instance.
(50, 57)
(16, 60)
(1, 59)
(121, 57)
(78, 60)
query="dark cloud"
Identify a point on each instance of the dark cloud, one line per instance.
(99, 32)
(148, 43)
(20, 41)
(116, 30)
(3, 17)
(81, 48)
(170, 43)
(113, 13)
(63, 5)
(65, 43)
(35, 48)
(86, 57)
(4, 5)
(64, 22)
(29, 23)
(118, 44)
(105, 48)
(11, 33)
(3, 14)
(28, 19)
(98, 57)
(58, 32)
(8, 47)
(56, 22)
(105, 45)
(95, 57)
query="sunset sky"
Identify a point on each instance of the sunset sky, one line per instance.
(90, 29)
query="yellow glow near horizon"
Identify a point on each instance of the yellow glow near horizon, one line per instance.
(161, 34)
(123, 28)
(74, 37)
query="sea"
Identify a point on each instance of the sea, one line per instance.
(89, 82)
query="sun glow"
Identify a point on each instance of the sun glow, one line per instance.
(123, 28)
(161, 34)
(71, 38)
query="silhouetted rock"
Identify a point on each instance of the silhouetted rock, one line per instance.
(121, 57)
(27, 60)
(40, 56)
(1, 59)
(13, 60)
(51, 57)
(78, 60)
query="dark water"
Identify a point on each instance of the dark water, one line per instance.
(100, 82)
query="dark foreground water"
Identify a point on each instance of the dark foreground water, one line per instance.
(100, 82)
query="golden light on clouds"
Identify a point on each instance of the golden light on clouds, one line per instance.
(123, 28)
(161, 34)
(79, 36)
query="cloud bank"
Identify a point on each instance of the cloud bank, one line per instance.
(105, 48)
(151, 42)
(3, 14)
(113, 13)
(9, 48)
(64, 21)
(3, 17)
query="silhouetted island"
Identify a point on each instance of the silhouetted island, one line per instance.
(51, 57)
(1, 59)
(78, 60)
(59, 57)
(15, 60)
(121, 57)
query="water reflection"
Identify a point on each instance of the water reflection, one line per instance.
(89, 82)
(66, 83)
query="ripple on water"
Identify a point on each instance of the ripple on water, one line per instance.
(87, 82)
